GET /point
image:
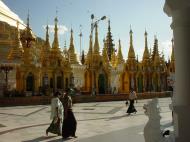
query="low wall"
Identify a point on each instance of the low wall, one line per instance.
(43, 100)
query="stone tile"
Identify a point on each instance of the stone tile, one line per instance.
(99, 121)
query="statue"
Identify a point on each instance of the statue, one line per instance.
(152, 130)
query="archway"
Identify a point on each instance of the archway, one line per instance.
(102, 84)
(30, 82)
(140, 83)
(59, 82)
(155, 83)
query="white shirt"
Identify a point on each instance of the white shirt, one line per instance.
(132, 95)
(56, 103)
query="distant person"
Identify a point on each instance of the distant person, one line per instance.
(114, 91)
(93, 91)
(69, 122)
(171, 91)
(132, 98)
(56, 115)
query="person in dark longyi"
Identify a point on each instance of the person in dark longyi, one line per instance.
(69, 122)
(132, 98)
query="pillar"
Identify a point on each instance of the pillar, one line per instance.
(179, 10)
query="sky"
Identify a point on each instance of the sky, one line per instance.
(140, 14)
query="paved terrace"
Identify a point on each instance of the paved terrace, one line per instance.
(97, 122)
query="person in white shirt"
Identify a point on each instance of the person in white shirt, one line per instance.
(132, 98)
(56, 115)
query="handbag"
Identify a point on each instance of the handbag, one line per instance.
(126, 103)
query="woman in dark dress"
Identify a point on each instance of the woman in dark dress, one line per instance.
(69, 122)
(132, 98)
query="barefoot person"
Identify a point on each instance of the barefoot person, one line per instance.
(132, 97)
(56, 115)
(69, 122)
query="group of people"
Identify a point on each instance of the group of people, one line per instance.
(63, 120)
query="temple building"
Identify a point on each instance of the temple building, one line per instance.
(38, 67)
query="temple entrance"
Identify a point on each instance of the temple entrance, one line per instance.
(66, 83)
(140, 84)
(155, 83)
(101, 84)
(30, 82)
(59, 82)
(45, 82)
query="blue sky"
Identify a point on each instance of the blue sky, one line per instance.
(122, 13)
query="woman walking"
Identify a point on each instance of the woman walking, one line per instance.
(132, 97)
(56, 115)
(69, 122)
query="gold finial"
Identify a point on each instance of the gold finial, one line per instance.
(96, 43)
(155, 37)
(28, 19)
(172, 42)
(47, 33)
(109, 25)
(172, 55)
(56, 11)
(55, 44)
(145, 33)
(146, 54)
(131, 32)
(120, 59)
(56, 19)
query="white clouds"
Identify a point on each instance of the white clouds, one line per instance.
(166, 47)
(61, 29)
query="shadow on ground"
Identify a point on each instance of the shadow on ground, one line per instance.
(40, 139)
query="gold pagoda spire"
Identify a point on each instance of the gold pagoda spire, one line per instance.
(172, 55)
(17, 51)
(104, 52)
(28, 20)
(71, 50)
(55, 44)
(109, 41)
(120, 59)
(27, 38)
(65, 47)
(131, 53)
(155, 55)
(113, 59)
(29, 33)
(96, 43)
(46, 50)
(47, 44)
(146, 54)
(89, 54)
(90, 46)
(71, 47)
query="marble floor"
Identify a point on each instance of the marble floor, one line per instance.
(97, 122)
